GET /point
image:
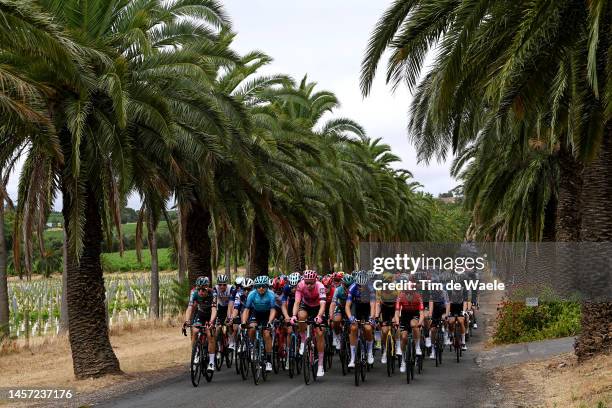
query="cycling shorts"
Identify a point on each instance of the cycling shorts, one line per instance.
(438, 310)
(407, 316)
(456, 309)
(221, 313)
(361, 311)
(313, 311)
(387, 312)
(200, 317)
(261, 318)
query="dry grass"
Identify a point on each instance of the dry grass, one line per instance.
(140, 347)
(559, 382)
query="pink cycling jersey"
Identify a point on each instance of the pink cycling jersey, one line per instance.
(310, 296)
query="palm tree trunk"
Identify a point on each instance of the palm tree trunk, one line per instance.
(92, 353)
(260, 251)
(597, 227)
(198, 242)
(181, 246)
(4, 306)
(567, 228)
(64, 305)
(227, 254)
(550, 213)
(152, 235)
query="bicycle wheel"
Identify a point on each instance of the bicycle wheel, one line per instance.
(291, 355)
(242, 352)
(229, 353)
(275, 356)
(256, 362)
(389, 351)
(306, 361)
(298, 357)
(196, 364)
(220, 351)
(358, 365)
(262, 362)
(364, 366)
(343, 354)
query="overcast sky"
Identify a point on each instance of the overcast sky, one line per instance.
(326, 40)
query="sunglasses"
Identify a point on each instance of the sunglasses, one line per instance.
(223, 284)
(261, 286)
(309, 283)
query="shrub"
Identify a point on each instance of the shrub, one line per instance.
(517, 322)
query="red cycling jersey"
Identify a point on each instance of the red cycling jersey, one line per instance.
(409, 302)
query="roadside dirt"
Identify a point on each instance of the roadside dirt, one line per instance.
(556, 382)
(145, 350)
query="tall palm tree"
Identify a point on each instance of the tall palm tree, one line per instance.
(519, 65)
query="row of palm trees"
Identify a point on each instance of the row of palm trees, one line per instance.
(107, 98)
(520, 94)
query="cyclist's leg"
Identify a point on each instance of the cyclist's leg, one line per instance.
(302, 315)
(320, 349)
(416, 335)
(404, 340)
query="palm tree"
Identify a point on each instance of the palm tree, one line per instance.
(521, 66)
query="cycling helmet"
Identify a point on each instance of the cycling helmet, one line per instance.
(370, 275)
(326, 281)
(361, 278)
(248, 283)
(222, 279)
(294, 278)
(310, 275)
(278, 283)
(338, 276)
(202, 281)
(348, 279)
(239, 281)
(262, 280)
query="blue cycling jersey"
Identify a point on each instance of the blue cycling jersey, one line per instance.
(260, 303)
(361, 293)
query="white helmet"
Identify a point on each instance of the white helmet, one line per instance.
(294, 278)
(239, 281)
(248, 283)
(361, 278)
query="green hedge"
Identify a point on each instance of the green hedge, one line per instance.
(517, 322)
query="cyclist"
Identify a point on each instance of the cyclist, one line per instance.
(337, 305)
(278, 285)
(243, 288)
(458, 299)
(473, 274)
(225, 294)
(439, 309)
(409, 313)
(310, 304)
(425, 296)
(361, 305)
(385, 311)
(203, 302)
(287, 302)
(259, 310)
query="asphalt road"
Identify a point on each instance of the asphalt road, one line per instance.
(453, 384)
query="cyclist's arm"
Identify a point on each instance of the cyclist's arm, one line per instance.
(296, 303)
(332, 307)
(347, 308)
(272, 314)
(188, 313)
(377, 309)
(431, 307)
(372, 308)
(245, 315)
(321, 308)
(284, 309)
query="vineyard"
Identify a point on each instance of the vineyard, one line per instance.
(35, 305)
